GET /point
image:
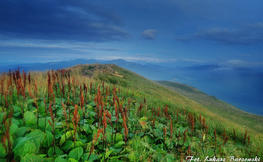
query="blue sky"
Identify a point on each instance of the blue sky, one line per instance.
(167, 32)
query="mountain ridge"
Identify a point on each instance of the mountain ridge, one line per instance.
(228, 85)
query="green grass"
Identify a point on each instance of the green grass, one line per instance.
(250, 121)
(63, 127)
(225, 116)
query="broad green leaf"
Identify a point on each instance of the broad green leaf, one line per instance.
(89, 121)
(132, 156)
(32, 158)
(181, 130)
(30, 101)
(20, 142)
(66, 145)
(76, 153)
(147, 145)
(148, 139)
(91, 113)
(28, 147)
(30, 119)
(63, 138)
(77, 144)
(48, 139)
(38, 136)
(116, 150)
(2, 151)
(108, 153)
(118, 137)
(17, 110)
(158, 156)
(82, 138)
(42, 124)
(143, 119)
(119, 144)
(21, 131)
(51, 151)
(161, 151)
(72, 160)
(59, 112)
(15, 121)
(42, 108)
(92, 103)
(93, 157)
(13, 128)
(109, 135)
(58, 134)
(2, 114)
(158, 125)
(158, 132)
(60, 159)
(170, 158)
(87, 128)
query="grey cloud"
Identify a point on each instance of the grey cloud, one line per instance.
(245, 35)
(239, 63)
(250, 34)
(149, 34)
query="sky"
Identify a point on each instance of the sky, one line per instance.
(166, 32)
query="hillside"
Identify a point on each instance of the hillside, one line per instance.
(107, 113)
(225, 110)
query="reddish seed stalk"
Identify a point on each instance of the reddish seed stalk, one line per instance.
(24, 78)
(29, 78)
(153, 123)
(226, 139)
(171, 132)
(125, 130)
(192, 123)
(234, 133)
(117, 118)
(46, 114)
(164, 132)
(159, 111)
(6, 136)
(200, 119)
(177, 115)
(53, 127)
(75, 121)
(257, 151)
(95, 139)
(82, 104)
(90, 87)
(245, 137)
(104, 123)
(215, 135)
(65, 113)
(166, 112)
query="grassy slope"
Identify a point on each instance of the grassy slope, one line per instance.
(143, 143)
(227, 111)
(157, 95)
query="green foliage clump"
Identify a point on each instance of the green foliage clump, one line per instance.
(102, 121)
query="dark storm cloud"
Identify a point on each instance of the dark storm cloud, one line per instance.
(59, 20)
